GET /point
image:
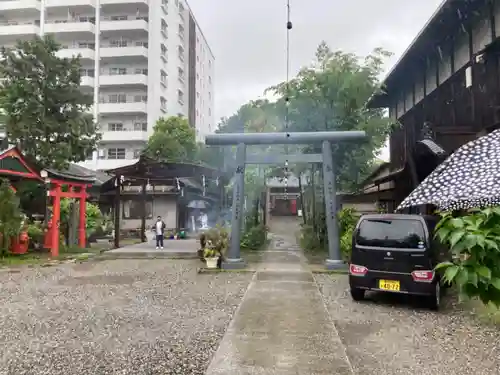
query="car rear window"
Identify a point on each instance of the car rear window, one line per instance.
(393, 233)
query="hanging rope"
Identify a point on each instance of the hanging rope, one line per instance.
(287, 90)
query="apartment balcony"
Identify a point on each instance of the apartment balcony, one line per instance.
(28, 8)
(75, 29)
(13, 32)
(84, 53)
(126, 6)
(132, 53)
(124, 27)
(123, 108)
(123, 80)
(74, 4)
(105, 164)
(125, 136)
(87, 82)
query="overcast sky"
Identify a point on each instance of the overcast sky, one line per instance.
(248, 37)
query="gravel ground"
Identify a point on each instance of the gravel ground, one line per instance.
(387, 335)
(115, 317)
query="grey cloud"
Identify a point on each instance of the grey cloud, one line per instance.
(248, 37)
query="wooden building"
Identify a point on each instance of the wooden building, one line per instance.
(444, 91)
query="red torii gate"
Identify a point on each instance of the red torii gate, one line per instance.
(14, 166)
(74, 190)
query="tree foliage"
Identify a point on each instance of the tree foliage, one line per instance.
(173, 139)
(332, 94)
(44, 111)
(10, 215)
(473, 239)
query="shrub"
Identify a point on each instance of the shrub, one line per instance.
(473, 239)
(216, 239)
(10, 215)
(254, 238)
(316, 239)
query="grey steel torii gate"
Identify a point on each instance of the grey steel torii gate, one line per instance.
(234, 260)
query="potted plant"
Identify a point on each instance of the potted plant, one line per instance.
(211, 256)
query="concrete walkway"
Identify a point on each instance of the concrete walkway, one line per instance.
(185, 249)
(282, 326)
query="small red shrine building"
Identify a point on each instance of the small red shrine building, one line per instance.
(15, 167)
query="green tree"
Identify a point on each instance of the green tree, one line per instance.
(43, 109)
(173, 139)
(332, 94)
(10, 215)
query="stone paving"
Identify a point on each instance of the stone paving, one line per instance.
(282, 326)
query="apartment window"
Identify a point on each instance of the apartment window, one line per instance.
(181, 74)
(86, 19)
(164, 27)
(118, 43)
(87, 72)
(137, 153)
(116, 153)
(181, 53)
(181, 31)
(117, 71)
(140, 98)
(209, 79)
(180, 97)
(163, 103)
(141, 71)
(86, 45)
(163, 77)
(118, 18)
(142, 44)
(141, 126)
(117, 98)
(163, 50)
(115, 127)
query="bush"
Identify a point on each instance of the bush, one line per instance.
(254, 238)
(316, 239)
(216, 239)
(10, 215)
(473, 239)
(36, 234)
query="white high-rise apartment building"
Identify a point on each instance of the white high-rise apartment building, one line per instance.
(151, 57)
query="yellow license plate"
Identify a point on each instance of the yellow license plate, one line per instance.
(389, 285)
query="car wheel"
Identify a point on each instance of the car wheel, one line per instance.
(435, 298)
(357, 294)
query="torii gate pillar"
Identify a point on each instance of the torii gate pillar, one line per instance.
(334, 260)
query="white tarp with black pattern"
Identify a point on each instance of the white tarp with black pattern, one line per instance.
(470, 177)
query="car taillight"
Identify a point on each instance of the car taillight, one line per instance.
(423, 276)
(357, 270)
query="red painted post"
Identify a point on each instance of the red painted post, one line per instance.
(82, 241)
(56, 218)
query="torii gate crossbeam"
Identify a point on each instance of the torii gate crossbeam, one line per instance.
(234, 260)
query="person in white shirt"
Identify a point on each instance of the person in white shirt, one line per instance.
(160, 231)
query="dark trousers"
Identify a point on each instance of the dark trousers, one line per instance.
(159, 240)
